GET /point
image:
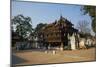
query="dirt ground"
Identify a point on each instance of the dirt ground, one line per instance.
(41, 57)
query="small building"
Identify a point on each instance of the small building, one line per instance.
(20, 43)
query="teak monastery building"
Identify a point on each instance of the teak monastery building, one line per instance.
(57, 34)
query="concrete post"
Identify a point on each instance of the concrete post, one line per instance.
(49, 46)
(73, 42)
(61, 47)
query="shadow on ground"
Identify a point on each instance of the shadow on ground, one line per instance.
(17, 60)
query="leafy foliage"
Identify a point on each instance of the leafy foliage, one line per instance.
(94, 25)
(23, 25)
(39, 27)
(91, 10)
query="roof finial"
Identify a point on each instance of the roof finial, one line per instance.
(60, 13)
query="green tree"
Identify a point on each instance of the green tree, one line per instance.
(91, 10)
(23, 25)
(39, 27)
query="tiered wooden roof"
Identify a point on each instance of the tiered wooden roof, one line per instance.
(57, 31)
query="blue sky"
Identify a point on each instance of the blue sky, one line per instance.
(48, 12)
